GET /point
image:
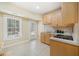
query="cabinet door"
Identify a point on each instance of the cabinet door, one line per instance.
(69, 11)
(45, 19)
(59, 18)
(42, 37)
(54, 20)
(56, 51)
(49, 17)
(63, 49)
(70, 50)
(47, 36)
(56, 48)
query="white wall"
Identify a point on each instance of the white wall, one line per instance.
(40, 28)
(17, 11)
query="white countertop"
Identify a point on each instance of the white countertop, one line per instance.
(65, 41)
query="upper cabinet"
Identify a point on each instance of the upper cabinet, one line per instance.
(47, 19)
(54, 19)
(69, 13)
(66, 15)
(59, 18)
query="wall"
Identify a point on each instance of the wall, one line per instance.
(1, 30)
(17, 11)
(24, 37)
(48, 28)
(25, 33)
(40, 28)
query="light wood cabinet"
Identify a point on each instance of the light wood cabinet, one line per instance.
(54, 19)
(69, 13)
(47, 19)
(66, 15)
(42, 37)
(57, 18)
(63, 49)
(45, 37)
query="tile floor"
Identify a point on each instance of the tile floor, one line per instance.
(32, 48)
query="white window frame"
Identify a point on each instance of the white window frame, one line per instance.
(5, 28)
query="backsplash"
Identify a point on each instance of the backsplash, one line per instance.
(66, 30)
(48, 28)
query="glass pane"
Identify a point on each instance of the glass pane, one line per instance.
(13, 26)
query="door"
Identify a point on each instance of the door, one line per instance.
(33, 29)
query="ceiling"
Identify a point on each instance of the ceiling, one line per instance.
(38, 7)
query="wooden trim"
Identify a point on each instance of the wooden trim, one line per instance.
(46, 43)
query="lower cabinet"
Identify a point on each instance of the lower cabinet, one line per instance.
(63, 49)
(45, 37)
(56, 51)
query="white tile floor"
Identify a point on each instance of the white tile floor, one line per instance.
(32, 48)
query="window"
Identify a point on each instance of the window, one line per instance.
(12, 28)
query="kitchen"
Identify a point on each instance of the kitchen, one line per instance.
(51, 28)
(61, 28)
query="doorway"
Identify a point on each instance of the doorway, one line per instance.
(33, 29)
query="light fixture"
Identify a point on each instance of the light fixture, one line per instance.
(37, 7)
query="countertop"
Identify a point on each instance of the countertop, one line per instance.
(65, 41)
